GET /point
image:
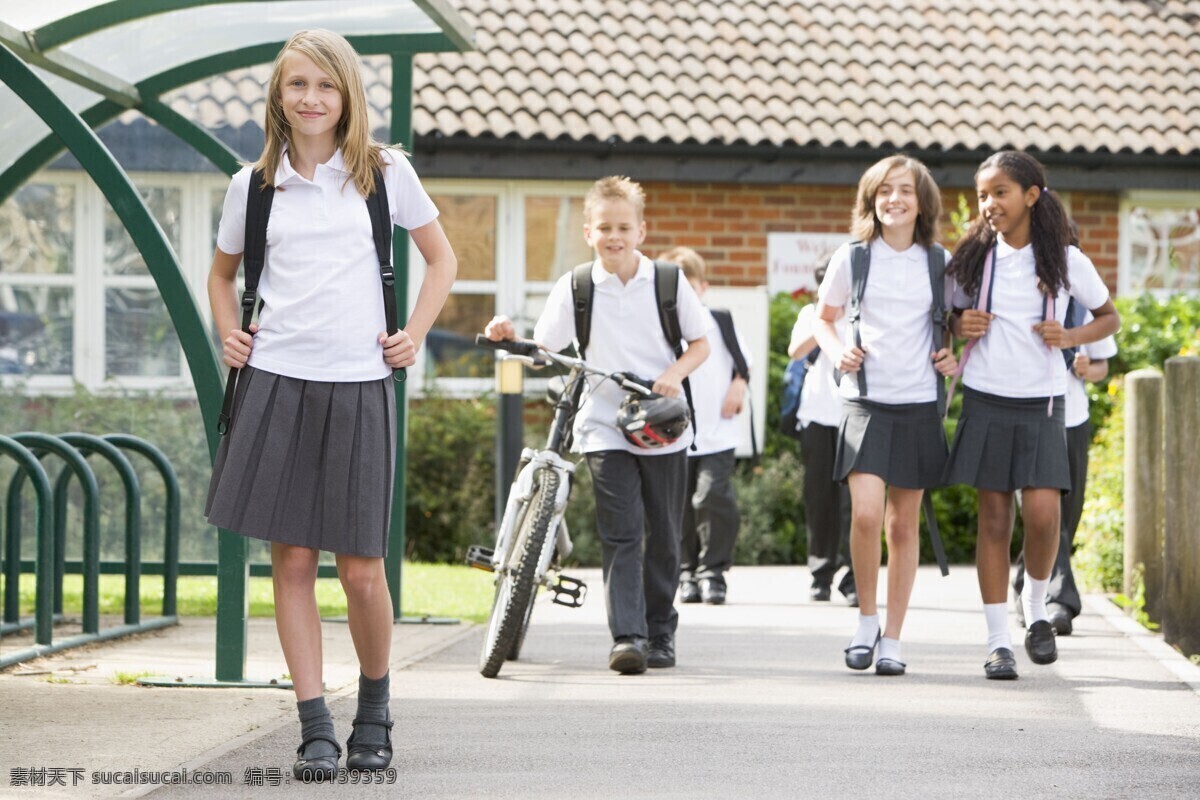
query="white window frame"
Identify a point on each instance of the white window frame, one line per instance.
(510, 285)
(1143, 199)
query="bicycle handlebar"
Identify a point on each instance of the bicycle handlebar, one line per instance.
(537, 356)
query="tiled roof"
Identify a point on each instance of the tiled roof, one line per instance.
(1071, 75)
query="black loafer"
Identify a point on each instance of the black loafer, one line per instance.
(889, 666)
(1001, 665)
(712, 591)
(369, 756)
(319, 769)
(689, 592)
(628, 655)
(820, 594)
(1039, 643)
(1061, 619)
(860, 656)
(661, 652)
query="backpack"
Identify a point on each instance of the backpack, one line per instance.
(666, 287)
(793, 385)
(258, 214)
(1076, 314)
(860, 265)
(724, 319)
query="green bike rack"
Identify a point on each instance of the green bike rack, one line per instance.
(44, 602)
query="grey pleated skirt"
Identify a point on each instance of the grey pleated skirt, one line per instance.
(1004, 444)
(307, 463)
(903, 443)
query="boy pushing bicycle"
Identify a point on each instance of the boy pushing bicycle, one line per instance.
(639, 479)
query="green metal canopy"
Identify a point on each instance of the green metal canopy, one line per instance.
(69, 66)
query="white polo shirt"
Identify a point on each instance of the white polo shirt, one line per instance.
(1077, 398)
(819, 398)
(322, 295)
(710, 382)
(1011, 360)
(896, 325)
(626, 336)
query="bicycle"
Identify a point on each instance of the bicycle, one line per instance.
(525, 554)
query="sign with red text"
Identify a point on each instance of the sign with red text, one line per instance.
(792, 257)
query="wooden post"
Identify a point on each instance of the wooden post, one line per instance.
(1144, 485)
(1181, 545)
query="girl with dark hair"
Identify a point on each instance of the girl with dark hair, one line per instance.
(1015, 272)
(891, 446)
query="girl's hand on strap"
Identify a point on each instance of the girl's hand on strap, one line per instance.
(235, 351)
(973, 323)
(1080, 367)
(851, 359)
(399, 350)
(944, 361)
(500, 329)
(1054, 334)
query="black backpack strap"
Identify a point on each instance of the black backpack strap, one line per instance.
(860, 267)
(1076, 314)
(666, 293)
(381, 232)
(582, 291)
(741, 369)
(254, 256)
(937, 285)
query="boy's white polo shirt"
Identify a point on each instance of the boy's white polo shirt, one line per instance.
(710, 383)
(1011, 360)
(1077, 399)
(819, 398)
(626, 336)
(896, 323)
(321, 290)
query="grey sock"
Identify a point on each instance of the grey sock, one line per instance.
(374, 694)
(315, 719)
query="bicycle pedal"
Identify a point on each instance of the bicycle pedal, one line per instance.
(480, 557)
(569, 592)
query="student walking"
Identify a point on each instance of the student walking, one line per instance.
(826, 500)
(307, 463)
(1015, 273)
(710, 512)
(891, 445)
(639, 491)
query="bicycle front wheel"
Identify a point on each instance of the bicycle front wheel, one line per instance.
(516, 586)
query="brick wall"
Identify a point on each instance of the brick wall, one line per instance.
(728, 223)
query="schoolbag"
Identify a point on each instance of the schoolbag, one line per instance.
(741, 368)
(666, 287)
(860, 266)
(1076, 314)
(258, 214)
(793, 385)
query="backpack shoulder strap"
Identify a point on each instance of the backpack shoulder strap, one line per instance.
(381, 231)
(1076, 313)
(724, 320)
(860, 267)
(582, 291)
(666, 290)
(937, 287)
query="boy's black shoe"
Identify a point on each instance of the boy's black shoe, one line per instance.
(712, 591)
(662, 651)
(820, 594)
(689, 592)
(628, 655)
(1061, 618)
(1039, 643)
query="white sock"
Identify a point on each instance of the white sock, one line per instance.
(1034, 598)
(868, 630)
(889, 648)
(996, 615)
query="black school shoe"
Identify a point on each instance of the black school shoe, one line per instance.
(316, 770)
(628, 655)
(689, 592)
(1061, 618)
(1039, 643)
(712, 591)
(369, 756)
(860, 656)
(661, 652)
(1001, 665)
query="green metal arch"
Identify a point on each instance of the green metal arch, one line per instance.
(147, 236)
(192, 134)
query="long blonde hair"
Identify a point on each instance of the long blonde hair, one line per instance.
(334, 56)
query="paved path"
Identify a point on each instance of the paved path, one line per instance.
(761, 706)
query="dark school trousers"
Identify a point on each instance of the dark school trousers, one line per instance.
(1062, 589)
(639, 511)
(826, 508)
(710, 517)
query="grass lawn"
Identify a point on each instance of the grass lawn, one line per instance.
(441, 590)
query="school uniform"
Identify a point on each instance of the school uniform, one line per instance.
(1012, 376)
(1062, 589)
(639, 492)
(895, 432)
(309, 458)
(710, 515)
(826, 501)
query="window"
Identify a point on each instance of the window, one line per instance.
(1160, 243)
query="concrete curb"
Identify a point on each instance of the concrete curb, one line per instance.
(1152, 643)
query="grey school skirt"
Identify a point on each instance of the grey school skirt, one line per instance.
(1004, 444)
(903, 443)
(308, 463)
